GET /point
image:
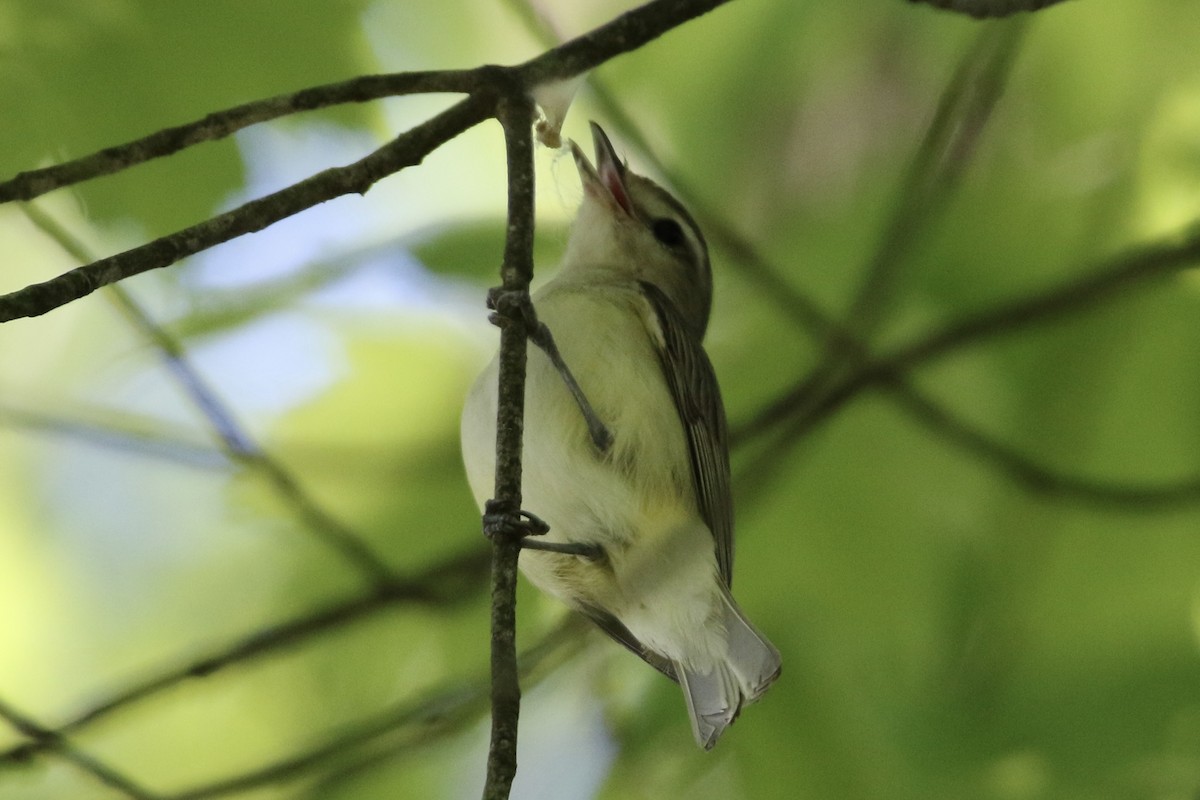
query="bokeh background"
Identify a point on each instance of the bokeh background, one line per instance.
(997, 598)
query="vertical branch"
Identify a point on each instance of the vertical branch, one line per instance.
(516, 115)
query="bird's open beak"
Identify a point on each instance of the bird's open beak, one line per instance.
(606, 180)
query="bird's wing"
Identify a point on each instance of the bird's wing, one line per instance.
(613, 627)
(693, 386)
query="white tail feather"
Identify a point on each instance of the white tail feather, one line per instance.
(714, 698)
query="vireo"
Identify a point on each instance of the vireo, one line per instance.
(648, 506)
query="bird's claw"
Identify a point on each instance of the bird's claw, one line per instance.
(511, 306)
(502, 519)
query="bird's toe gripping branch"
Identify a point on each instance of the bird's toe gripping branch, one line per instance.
(503, 519)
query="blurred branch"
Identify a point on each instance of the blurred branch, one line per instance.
(534, 664)
(979, 78)
(220, 310)
(409, 724)
(963, 109)
(238, 445)
(488, 88)
(1108, 282)
(1037, 477)
(130, 434)
(54, 740)
(945, 152)
(989, 8)
(447, 583)
(1131, 270)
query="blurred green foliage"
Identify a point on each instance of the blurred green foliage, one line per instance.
(948, 631)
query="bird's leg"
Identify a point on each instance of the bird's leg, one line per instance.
(501, 519)
(592, 552)
(508, 307)
(601, 436)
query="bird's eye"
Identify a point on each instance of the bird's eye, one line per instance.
(667, 231)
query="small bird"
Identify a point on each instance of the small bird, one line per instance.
(641, 514)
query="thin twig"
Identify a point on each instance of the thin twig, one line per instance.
(984, 9)
(405, 150)
(219, 124)
(534, 664)
(946, 150)
(129, 434)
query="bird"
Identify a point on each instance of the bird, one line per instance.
(640, 515)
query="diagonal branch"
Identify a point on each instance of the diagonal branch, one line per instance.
(110, 430)
(219, 124)
(486, 84)
(1134, 269)
(808, 316)
(1041, 479)
(945, 152)
(449, 582)
(626, 32)
(409, 724)
(238, 445)
(405, 150)
(963, 109)
(102, 772)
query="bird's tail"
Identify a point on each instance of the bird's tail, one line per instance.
(751, 664)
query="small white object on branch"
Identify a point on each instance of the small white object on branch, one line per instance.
(554, 100)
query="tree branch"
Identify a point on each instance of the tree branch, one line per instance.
(450, 582)
(408, 724)
(405, 150)
(102, 772)
(808, 316)
(627, 32)
(130, 435)
(984, 9)
(963, 109)
(1134, 269)
(219, 124)
(1037, 477)
(238, 445)
(516, 116)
